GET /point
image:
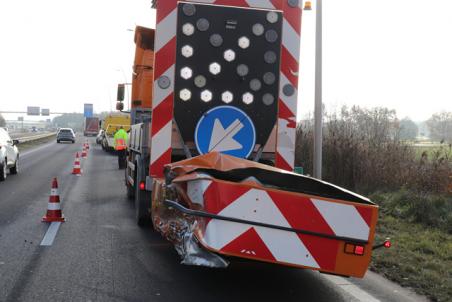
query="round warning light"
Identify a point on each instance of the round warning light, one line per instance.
(387, 244)
(244, 42)
(258, 29)
(185, 94)
(227, 97)
(229, 55)
(200, 81)
(268, 99)
(271, 36)
(272, 17)
(206, 96)
(187, 51)
(255, 84)
(216, 40)
(186, 73)
(215, 68)
(247, 98)
(189, 9)
(203, 24)
(188, 29)
(242, 70)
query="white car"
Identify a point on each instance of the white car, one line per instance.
(9, 155)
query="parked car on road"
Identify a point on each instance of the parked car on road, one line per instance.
(9, 155)
(65, 135)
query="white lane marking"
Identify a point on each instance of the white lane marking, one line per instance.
(50, 234)
(351, 289)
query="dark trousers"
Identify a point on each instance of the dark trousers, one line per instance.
(121, 159)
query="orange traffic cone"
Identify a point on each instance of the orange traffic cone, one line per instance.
(84, 154)
(77, 170)
(87, 145)
(54, 212)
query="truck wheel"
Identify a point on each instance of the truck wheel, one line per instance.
(15, 168)
(142, 201)
(3, 171)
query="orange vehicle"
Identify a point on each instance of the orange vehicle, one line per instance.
(212, 143)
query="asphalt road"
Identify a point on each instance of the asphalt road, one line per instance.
(100, 254)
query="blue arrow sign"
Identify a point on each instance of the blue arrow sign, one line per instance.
(225, 129)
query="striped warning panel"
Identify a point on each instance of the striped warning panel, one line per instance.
(288, 210)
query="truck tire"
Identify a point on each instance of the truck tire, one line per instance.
(142, 199)
(3, 171)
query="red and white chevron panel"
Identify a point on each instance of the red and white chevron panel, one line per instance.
(165, 49)
(281, 209)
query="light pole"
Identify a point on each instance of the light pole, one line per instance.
(318, 108)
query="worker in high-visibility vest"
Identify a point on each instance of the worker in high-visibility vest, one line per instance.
(120, 144)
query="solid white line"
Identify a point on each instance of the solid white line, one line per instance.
(351, 289)
(50, 234)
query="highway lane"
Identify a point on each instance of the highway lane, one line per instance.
(100, 254)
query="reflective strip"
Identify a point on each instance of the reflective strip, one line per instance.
(286, 142)
(161, 94)
(196, 189)
(257, 205)
(161, 141)
(290, 101)
(291, 40)
(53, 192)
(53, 206)
(343, 219)
(260, 4)
(166, 30)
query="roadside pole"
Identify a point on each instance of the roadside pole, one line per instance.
(318, 114)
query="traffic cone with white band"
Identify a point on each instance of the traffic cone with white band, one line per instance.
(54, 213)
(77, 170)
(87, 145)
(84, 154)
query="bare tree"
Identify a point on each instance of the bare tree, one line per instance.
(408, 129)
(440, 126)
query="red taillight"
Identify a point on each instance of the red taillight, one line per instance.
(359, 250)
(142, 186)
(387, 244)
(354, 249)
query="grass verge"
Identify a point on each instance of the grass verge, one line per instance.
(420, 258)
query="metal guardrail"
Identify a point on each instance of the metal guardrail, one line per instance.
(34, 137)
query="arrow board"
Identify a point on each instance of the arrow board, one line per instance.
(225, 129)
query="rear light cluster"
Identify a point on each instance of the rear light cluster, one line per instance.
(355, 249)
(142, 186)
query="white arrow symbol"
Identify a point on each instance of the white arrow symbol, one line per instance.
(223, 139)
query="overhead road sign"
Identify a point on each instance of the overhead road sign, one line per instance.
(88, 110)
(45, 112)
(33, 110)
(225, 129)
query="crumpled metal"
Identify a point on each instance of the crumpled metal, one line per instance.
(178, 228)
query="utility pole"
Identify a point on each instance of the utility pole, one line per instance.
(318, 110)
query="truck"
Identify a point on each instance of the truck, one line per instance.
(211, 150)
(91, 126)
(110, 124)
